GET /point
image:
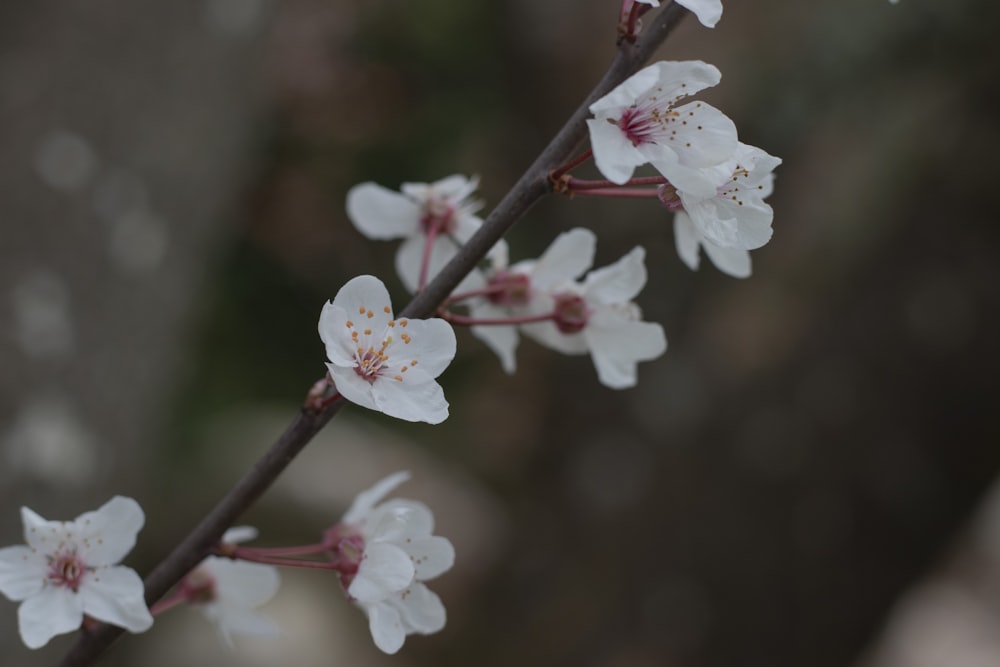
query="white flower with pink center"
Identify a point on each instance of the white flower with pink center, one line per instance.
(440, 213)
(526, 288)
(733, 221)
(640, 122)
(385, 551)
(383, 363)
(599, 317)
(70, 568)
(228, 592)
(708, 11)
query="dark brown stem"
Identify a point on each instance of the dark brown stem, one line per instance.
(531, 187)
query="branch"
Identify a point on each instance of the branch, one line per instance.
(531, 187)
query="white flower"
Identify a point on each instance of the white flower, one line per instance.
(394, 549)
(381, 363)
(708, 11)
(733, 221)
(442, 208)
(530, 282)
(228, 591)
(640, 122)
(69, 568)
(598, 317)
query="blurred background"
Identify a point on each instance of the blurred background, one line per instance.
(805, 478)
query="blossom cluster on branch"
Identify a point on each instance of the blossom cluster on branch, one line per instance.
(68, 575)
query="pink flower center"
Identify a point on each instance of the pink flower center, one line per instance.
(199, 587)
(571, 313)
(370, 363)
(639, 124)
(438, 217)
(346, 546)
(516, 288)
(67, 570)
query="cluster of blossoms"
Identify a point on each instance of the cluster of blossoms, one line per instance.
(382, 553)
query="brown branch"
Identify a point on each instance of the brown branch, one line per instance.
(531, 187)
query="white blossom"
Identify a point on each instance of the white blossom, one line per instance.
(70, 568)
(443, 208)
(395, 551)
(382, 363)
(640, 122)
(528, 287)
(228, 592)
(598, 316)
(733, 221)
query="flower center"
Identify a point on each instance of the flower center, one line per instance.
(438, 217)
(571, 313)
(199, 587)
(66, 569)
(516, 288)
(346, 546)
(371, 360)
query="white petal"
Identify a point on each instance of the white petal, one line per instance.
(23, 572)
(399, 521)
(380, 213)
(410, 257)
(708, 11)
(547, 334)
(115, 595)
(384, 569)
(365, 501)
(618, 282)
(421, 610)
(566, 258)
(686, 240)
(431, 343)
(336, 335)
(617, 345)
(500, 338)
(52, 612)
(386, 627)
(41, 534)
(240, 534)
(237, 620)
(411, 402)
(367, 300)
(107, 534)
(432, 556)
(352, 386)
(241, 583)
(615, 156)
(704, 135)
(732, 261)
(663, 82)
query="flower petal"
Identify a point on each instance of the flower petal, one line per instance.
(237, 620)
(336, 335)
(421, 609)
(431, 342)
(367, 299)
(432, 556)
(410, 257)
(618, 282)
(384, 569)
(107, 534)
(708, 11)
(566, 258)
(614, 154)
(52, 612)
(386, 627)
(365, 501)
(239, 534)
(23, 571)
(115, 595)
(241, 583)
(686, 239)
(380, 213)
(352, 386)
(399, 520)
(732, 261)
(411, 402)
(617, 345)
(42, 534)
(502, 339)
